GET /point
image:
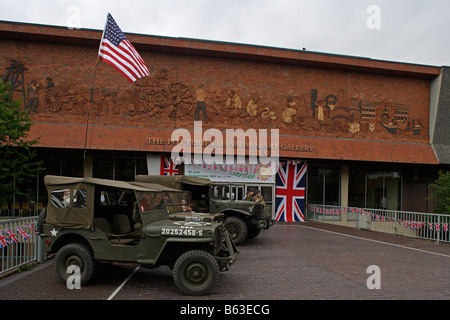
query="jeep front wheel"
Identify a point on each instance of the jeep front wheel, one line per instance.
(237, 229)
(196, 272)
(75, 254)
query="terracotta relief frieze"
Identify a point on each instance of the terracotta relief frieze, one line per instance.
(153, 100)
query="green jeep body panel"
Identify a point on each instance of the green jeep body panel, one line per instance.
(243, 219)
(129, 222)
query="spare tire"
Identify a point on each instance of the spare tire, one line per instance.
(41, 220)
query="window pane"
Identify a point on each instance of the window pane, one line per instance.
(375, 191)
(79, 198)
(72, 166)
(332, 186)
(357, 187)
(124, 169)
(315, 184)
(393, 190)
(141, 166)
(102, 168)
(60, 198)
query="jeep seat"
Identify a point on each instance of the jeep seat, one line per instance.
(122, 224)
(103, 225)
(123, 229)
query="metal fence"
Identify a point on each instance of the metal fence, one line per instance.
(18, 213)
(428, 226)
(19, 243)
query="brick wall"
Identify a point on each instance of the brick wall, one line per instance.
(246, 87)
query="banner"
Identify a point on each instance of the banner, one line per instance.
(290, 191)
(241, 173)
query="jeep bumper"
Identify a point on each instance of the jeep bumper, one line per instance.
(228, 252)
(264, 223)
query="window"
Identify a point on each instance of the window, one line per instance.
(117, 168)
(79, 198)
(124, 169)
(61, 198)
(222, 192)
(369, 188)
(150, 201)
(324, 185)
(113, 197)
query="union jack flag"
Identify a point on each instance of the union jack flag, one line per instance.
(168, 168)
(438, 227)
(23, 233)
(290, 191)
(11, 236)
(3, 240)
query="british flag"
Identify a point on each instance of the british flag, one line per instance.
(11, 236)
(23, 233)
(168, 168)
(3, 240)
(290, 191)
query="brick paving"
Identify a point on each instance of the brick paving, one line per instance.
(291, 261)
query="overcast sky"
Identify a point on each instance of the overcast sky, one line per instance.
(413, 31)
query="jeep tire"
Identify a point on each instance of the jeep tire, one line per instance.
(237, 229)
(196, 272)
(75, 254)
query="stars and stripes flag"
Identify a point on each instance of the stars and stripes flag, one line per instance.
(168, 168)
(290, 191)
(116, 50)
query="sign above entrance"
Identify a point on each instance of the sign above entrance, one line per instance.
(242, 173)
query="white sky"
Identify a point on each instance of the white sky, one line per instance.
(414, 31)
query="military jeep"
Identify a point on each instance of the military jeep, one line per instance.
(89, 221)
(243, 219)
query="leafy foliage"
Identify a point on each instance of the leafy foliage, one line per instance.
(17, 160)
(441, 193)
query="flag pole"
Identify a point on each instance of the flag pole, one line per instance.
(92, 90)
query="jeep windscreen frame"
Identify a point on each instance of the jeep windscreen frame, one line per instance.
(175, 201)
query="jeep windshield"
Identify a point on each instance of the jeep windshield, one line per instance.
(171, 201)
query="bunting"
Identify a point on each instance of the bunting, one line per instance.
(15, 235)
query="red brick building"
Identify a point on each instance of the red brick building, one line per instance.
(367, 128)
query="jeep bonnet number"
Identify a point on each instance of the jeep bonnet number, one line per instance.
(185, 229)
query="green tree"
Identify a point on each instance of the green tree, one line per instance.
(17, 159)
(441, 192)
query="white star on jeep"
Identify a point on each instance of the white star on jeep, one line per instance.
(54, 232)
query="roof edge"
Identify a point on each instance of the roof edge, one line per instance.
(91, 37)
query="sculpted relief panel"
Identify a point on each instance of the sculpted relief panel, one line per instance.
(159, 101)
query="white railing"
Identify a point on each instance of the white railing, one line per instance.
(19, 243)
(428, 226)
(18, 213)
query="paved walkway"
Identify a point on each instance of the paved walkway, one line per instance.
(291, 261)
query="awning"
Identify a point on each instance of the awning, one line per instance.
(73, 136)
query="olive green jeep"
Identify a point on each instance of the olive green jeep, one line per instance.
(243, 219)
(89, 221)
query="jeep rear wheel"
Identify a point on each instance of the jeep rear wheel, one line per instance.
(196, 272)
(75, 254)
(237, 229)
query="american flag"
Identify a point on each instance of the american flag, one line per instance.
(290, 191)
(117, 51)
(168, 168)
